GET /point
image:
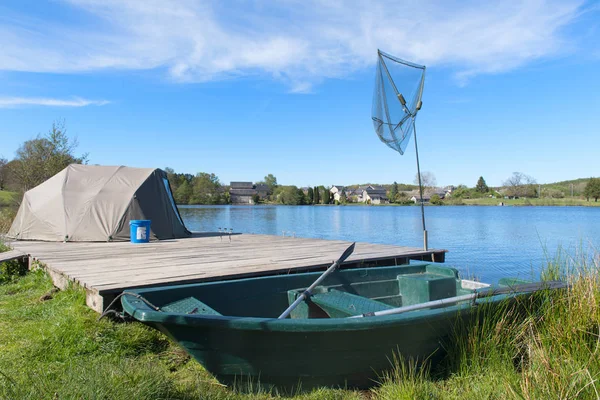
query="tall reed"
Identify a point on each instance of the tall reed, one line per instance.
(543, 347)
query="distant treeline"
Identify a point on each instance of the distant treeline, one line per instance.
(205, 188)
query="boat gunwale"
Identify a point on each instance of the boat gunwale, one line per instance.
(143, 313)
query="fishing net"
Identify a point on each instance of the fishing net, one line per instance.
(396, 79)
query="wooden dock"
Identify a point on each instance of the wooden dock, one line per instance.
(13, 255)
(107, 269)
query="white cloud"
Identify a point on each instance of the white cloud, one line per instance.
(9, 102)
(299, 42)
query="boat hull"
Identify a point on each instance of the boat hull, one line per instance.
(308, 352)
(353, 357)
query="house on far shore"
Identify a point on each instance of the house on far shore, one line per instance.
(417, 199)
(262, 190)
(245, 192)
(352, 195)
(337, 191)
(373, 194)
(448, 190)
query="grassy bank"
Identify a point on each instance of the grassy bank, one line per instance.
(486, 201)
(532, 202)
(8, 209)
(52, 346)
(7, 214)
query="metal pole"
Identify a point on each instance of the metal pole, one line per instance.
(489, 292)
(419, 306)
(420, 187)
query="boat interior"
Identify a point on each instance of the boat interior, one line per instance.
(345, 293)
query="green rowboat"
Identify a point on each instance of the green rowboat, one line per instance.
(231, 327)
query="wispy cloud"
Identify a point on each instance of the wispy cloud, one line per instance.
(299, 42)
(9, 102)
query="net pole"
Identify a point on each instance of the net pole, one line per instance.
(420, 187)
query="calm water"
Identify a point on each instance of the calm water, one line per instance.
(486, 242)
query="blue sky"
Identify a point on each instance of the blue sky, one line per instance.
(243, 89)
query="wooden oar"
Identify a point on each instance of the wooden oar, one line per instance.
(526, 288)
(306, 294)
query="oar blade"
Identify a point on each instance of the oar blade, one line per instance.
(346, 253)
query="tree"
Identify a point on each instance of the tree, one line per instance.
(271, 183)
(183, 193)
(316, 197)
(592, 189)
(481, 186)
(206, 189)
(3, 172)
(520, 185)
(436, 200)
(11, 182)
(461, 192)
(172, 177)
(402, 198)
(290, 195)
(310, 196)
(552, 193)
(43, 157)
(324, 195)
(427, 179)
(169, 171)
(394, 192)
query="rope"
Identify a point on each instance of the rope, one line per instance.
(109, 309)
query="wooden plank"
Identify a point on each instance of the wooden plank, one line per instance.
(142, 271)
(12, 255)
(132, 263)
(125, 274)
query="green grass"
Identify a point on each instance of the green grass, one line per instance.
(8, 198)
(56, 348)
(8, 209)
(532, 202)
(552, 353)
(486, 201)
(7, 214)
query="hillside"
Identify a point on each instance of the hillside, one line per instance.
(565, 186)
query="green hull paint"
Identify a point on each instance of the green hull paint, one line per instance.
(317, 346)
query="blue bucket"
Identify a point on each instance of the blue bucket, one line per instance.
(139, 230)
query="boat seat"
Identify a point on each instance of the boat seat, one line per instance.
(189, 305)
(338, 304)
(423, 287)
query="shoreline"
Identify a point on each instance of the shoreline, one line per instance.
(463, 203)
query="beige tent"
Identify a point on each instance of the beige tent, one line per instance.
(88, 203)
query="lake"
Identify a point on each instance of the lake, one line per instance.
(483, 242)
